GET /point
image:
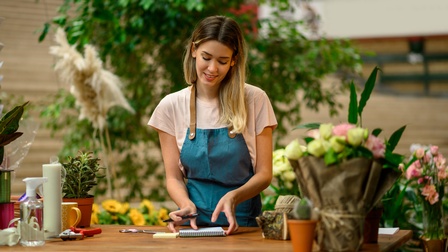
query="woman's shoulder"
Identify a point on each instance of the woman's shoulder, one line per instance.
(176, 97)
(254, 92)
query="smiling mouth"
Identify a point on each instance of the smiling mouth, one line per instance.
(210, 77)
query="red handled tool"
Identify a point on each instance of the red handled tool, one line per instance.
(78, 233)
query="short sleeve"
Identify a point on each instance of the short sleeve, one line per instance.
(162, 117)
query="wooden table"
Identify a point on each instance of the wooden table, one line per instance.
(246, 239)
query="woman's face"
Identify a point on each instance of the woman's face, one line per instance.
(213, 61)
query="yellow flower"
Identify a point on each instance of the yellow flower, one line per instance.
(163, 215)
(326, 130)
(94, 219)
(356, 136)
(337, 143)
(316, 148)
(147, 206)
(111, 205)
(137, 218)
(124, 208)
(95, 208)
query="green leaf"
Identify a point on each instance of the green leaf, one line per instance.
(307, 126)
(330, 157)
(353, 105)
(395, 138)
(368, 88)
(10, 121)
(8, 138)
(376, 132)
(44, 32)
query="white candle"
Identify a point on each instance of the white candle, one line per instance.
(52, 199)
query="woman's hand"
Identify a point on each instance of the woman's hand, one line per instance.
(227, 205)
(176, 216)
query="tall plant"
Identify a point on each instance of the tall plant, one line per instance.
(143, 42)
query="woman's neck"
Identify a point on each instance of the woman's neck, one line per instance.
(207, 93)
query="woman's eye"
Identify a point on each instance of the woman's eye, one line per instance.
(222, 63)
(206, 59)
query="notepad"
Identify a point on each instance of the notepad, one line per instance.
(201, 232)
(388, 231)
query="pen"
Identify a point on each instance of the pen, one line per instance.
(188, 216)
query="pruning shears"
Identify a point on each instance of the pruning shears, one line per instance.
(74, 233)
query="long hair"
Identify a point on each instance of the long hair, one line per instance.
(233, 111)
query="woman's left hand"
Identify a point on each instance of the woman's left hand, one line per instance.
(227, 205)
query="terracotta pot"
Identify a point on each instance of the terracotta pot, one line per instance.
(372, 225)
(434, 245)
(302, 233)
(85, 205)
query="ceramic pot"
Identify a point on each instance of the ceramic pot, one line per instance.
(302, 233)
(85, 205)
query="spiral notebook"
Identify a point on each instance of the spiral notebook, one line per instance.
(202, 232)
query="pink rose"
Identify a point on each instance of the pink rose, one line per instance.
(413, 171)
(314, 133)
(442, 174)
(342, 129)
(430, 193)
(419, 153)
(376, 146)
(434, 150)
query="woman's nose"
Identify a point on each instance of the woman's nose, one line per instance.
(212, 67)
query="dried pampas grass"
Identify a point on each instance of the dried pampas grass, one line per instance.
(96, 90)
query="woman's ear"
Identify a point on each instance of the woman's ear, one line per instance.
(232, 63)
(193, 50)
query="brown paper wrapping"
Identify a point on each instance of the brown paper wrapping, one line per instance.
(343, 194)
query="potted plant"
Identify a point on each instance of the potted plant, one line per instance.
(82, 174)
(302, 226)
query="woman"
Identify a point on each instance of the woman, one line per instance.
(216, 134)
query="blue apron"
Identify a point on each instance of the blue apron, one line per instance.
(217, 161)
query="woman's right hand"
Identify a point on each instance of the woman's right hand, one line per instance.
(176, 216)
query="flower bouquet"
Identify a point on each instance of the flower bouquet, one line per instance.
(427, 172)
(345, 170)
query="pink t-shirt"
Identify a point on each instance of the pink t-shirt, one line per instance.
(172, 116)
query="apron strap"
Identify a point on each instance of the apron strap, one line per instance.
(193, 116)
(192, 113)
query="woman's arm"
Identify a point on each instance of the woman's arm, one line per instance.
(175, 181)
(260, 181)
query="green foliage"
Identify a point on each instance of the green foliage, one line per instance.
(143, 42)
(81, 175)
(9, 124)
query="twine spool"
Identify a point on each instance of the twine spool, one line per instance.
(285, 203)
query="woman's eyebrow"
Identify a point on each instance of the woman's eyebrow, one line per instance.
(209, 54)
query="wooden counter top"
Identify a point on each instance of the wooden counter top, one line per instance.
(246, 239)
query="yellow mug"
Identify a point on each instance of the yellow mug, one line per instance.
(70, 215)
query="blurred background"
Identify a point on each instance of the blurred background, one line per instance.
(407, 39)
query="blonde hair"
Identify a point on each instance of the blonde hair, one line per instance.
(232, 102)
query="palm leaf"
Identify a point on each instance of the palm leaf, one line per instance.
(368, 88)
(353, 105)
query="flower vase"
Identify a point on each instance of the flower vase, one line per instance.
(433, 237)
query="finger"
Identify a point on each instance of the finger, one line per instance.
(193, 223)
(172, 227)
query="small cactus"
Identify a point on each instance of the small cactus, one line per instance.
(302, 209)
